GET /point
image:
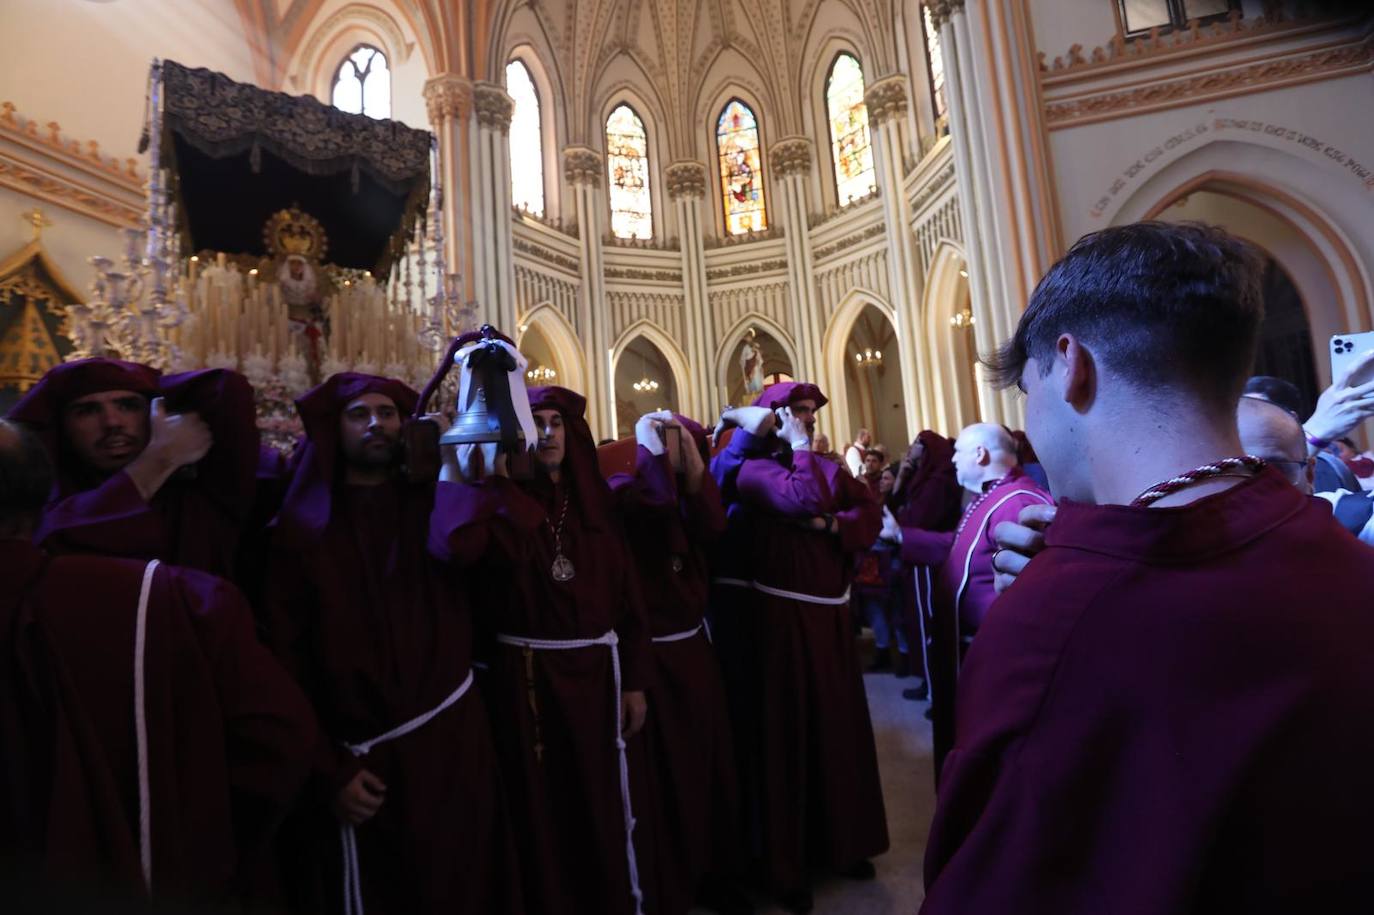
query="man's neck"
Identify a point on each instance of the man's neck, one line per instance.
(993, 474)
(366, 476)
(1127, 464)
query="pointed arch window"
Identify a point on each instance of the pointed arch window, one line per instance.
(850, 143)
(526, 141)
(362, 83)
(741, 169)
(627, 167)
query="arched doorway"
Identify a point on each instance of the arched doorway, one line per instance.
(1294, 274)
(870, 376)
(546, 339)
(544, 367)
(644, 382)
(953, 349)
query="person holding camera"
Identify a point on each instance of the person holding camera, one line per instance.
(405, 810)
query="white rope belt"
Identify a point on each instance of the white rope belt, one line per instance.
(686, 634)
(348, 837)
(611, 641)
(145, 818)
(779, 592)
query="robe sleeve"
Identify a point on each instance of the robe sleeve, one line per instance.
(113, 518)
(460, 527)
(725, 466)
(860, 521)
(796, 490)
(703, 513)
(290, 604)
(224, 400)
(270, 727)
(652, 485)
(926, 548)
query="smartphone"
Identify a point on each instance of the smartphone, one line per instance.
(672, 443)
(1346, 349)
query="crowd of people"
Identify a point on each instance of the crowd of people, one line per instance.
(333, 683)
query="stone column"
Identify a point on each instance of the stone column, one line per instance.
(886, 101)
(790, 161)
(582, 169)
(493, 263)
(687, 188)
(448, 98)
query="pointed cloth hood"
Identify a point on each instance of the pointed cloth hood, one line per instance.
(580, 463)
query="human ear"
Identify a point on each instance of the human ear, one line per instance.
(1077, 369)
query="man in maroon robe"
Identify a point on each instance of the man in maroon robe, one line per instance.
(148, 743)
(926, 496)
(671, 515)
(405, 812)
(570, 660)
(985, 463)
(819, 794)
(148, 466)
(1166, 712)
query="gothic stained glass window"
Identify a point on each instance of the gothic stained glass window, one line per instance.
(362, 84)
(849, 139)
(627, 166)
(741, 169)
(935, 68)
(526, 141)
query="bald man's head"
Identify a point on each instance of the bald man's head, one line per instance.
(25, 480)
(1269, 431)
(984, 452)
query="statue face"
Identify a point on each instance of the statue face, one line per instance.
(297, 269)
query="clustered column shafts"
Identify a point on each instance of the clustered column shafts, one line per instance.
(687, 188)
(582, 168)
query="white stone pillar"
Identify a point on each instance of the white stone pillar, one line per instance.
(886, 101)
(582, 168)
(790, 161)
(448, 98)
(687, 187)
(494, 263)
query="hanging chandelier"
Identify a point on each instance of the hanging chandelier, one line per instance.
(963, 320)
(869, 358)
(646, 385)
(541, 374)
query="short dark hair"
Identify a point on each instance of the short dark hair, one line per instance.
(25, 477)
(1165, 305)
(1278, 391)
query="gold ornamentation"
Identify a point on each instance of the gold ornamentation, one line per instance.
(886, 99)
(582, 166)
(448, 98)
(292, 231)
(1211, 85)
(125, 171)
(686, 179)
(492, 105)
(67, 195)
(29, 347)
(791, 156)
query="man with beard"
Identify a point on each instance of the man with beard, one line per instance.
(147, 466)
(570, 664)
(818, 794)
(405, 812)
(148, 744)
(671, 514)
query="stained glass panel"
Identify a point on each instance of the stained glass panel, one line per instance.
(362, 84)
(526, 141)
(849, 138)
(935, 66)
(627, 166)
(741, 170)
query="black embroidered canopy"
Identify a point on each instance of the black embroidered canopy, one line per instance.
(237, 154)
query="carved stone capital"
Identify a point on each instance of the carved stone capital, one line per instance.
(886, 99)
(492, 105)
(940, 10)
(582, 166)
(686, 179)
(448, 97)
(791, 156)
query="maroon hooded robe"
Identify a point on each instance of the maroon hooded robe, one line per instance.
(195, 519)
(1169, 713)
(378, 632)
(229, 734)
(554, 712)
(691, 762)
(820, 798)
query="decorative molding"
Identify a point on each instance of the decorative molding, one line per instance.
(68, 194)
(849, 241)
(538, 252)
(448, 97)
(791, 156)
(493, 106)
(643, 244)
(937, 183)
(686, 179)
(730, 241)
(1212, 85)
(631, 273)
(886, 99)
(815, 220)
(582, 166)
(84, 155)
(1160, 43)
(746, 269)
(941, 10)
(561, 226)
(397, 49)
